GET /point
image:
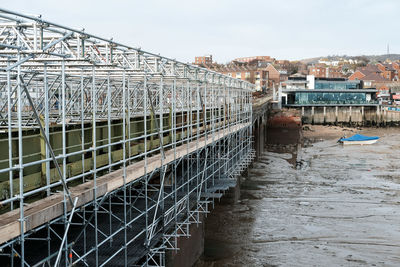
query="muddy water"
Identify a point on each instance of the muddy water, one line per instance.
(339, 206)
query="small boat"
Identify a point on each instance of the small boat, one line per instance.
(359, 139)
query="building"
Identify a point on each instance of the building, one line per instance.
(276, 75)
(396, 66)
(335, 72)
(283, 64)
(247, 72)
(321, 71)
(296, 81)
(329, 97)
(258, 70)
(370, 70)
(373, 76)
(387, 71)
(336, 84)
(318, 71)
(312, 82)
(204, 60)
(255, 58)
(310, 90)
(328, 62)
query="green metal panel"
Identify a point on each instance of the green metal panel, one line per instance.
(33, 176)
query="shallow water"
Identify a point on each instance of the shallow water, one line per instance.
(340, 206)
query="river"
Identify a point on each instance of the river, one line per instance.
(338, 206)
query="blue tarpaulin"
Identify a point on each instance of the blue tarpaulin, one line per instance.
(360, 137)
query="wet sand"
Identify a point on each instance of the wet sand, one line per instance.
(338, 206)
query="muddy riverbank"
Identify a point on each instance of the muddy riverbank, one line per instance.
(329, 206)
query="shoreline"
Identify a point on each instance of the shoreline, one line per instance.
(315, 133)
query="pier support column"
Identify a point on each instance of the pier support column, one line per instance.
(256, 134)
(362, 116)
(262, 136)
(190, 248)
(384, 116)
(312, 115)
(265, 129)
(378, 115)
(350, 115)
(336, 114)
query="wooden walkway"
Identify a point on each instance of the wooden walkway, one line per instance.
(49, 208)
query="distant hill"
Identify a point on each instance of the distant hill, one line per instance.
(310, 60)
(392, 57)
(371, 58)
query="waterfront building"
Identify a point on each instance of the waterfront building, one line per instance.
(311, 91)
(312, 82)
(329, 97)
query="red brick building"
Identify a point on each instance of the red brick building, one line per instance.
(318, 71)
(204, 60)
(372, 78)
(321, 71)
(258, 70)
(387, 71)
(284, 64)
(276, 75)
(335, 73)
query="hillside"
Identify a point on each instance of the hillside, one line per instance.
(371, 58)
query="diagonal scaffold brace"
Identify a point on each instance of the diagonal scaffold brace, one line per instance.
(56, 264)
(47, 141)
(164, 170)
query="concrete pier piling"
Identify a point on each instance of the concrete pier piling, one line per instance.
(350, 115)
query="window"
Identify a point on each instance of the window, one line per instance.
(330, 98)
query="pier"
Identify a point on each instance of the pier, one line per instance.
(110, 155)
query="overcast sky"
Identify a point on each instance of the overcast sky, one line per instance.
(284, 29)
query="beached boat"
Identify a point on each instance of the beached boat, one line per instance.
(359, 139)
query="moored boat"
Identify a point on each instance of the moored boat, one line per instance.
(359, 139)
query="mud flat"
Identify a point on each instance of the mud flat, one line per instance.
(338, 206)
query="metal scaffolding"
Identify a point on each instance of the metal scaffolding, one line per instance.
(108, 153)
